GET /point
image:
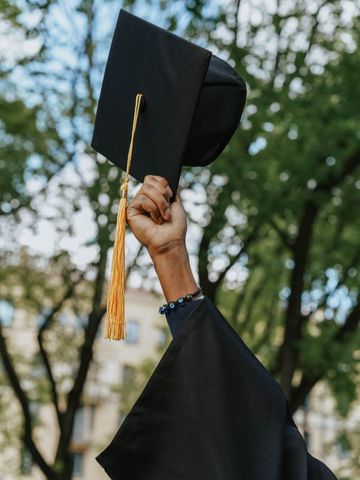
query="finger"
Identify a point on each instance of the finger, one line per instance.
(178, 197)
(142, 203)
(161, 184)
(156, 178)
(161, 201)
(178, 204)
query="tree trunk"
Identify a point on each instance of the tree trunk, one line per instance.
(288, 353)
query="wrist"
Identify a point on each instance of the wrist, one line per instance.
(173, 268)
(181, 301)
(167, 251)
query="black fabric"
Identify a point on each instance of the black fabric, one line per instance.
(218, 113)
(210, 411)
(176, 317)
(193, 101)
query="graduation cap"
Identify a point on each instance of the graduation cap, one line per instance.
(164, 103)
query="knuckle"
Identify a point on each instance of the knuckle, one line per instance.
(163, 203)
(159, 180)
(143, 203)
(142, 197)
(148, 178)
(151, 191)
(162, 190)
(163, 181)
(150, 205)
(144, 187)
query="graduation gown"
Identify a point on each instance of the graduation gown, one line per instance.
(210, 411)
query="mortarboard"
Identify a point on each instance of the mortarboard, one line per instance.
(164, 103)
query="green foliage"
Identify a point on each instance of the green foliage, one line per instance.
(348, 443)
(9, 11)
(298, 149)
(296, 157)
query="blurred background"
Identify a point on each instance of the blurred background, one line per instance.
(273, 225)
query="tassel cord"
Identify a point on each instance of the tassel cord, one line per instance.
(115, 316)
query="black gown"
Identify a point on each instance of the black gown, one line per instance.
(210, 411)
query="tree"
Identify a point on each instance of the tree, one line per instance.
(49, 118)
(277, 236)
(285, 189)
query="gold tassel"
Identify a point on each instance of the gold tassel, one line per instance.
(115, 328)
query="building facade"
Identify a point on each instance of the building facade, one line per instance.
(112, 384)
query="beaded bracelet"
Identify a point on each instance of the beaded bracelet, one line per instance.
(181, 301)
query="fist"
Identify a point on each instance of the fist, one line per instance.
(157, 224)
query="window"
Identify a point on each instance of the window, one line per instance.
(128, 374)
(78, 432)
(132, 331)
(6, 313)
(78, 465)
(110, 372)
(84, 419)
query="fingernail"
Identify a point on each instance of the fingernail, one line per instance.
(168, 213)
(161, 221)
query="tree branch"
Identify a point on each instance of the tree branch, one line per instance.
(278, 29)
(314, 28)
(307, 382)
(247, 242)
(350, 165)
(341, 281)
(86, 355)
(282, 234)
(48, 319)
(265, 338)
(24, 404)
(251, 303)
(236, 27)
(286, 360)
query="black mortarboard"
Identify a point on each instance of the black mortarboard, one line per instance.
(164, 103)
(193, 101)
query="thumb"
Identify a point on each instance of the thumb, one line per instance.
(178, 205)
(178, 197)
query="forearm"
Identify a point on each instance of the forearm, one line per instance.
(172, 266)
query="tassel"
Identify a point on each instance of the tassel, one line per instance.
(115, 328)
(115, 315)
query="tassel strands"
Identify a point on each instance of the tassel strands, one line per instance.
(115, 328)
(115, 314)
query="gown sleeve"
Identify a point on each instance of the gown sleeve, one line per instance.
(176, 317)
(210, 411)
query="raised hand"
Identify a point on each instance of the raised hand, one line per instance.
(161, 228)
(158, 224)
